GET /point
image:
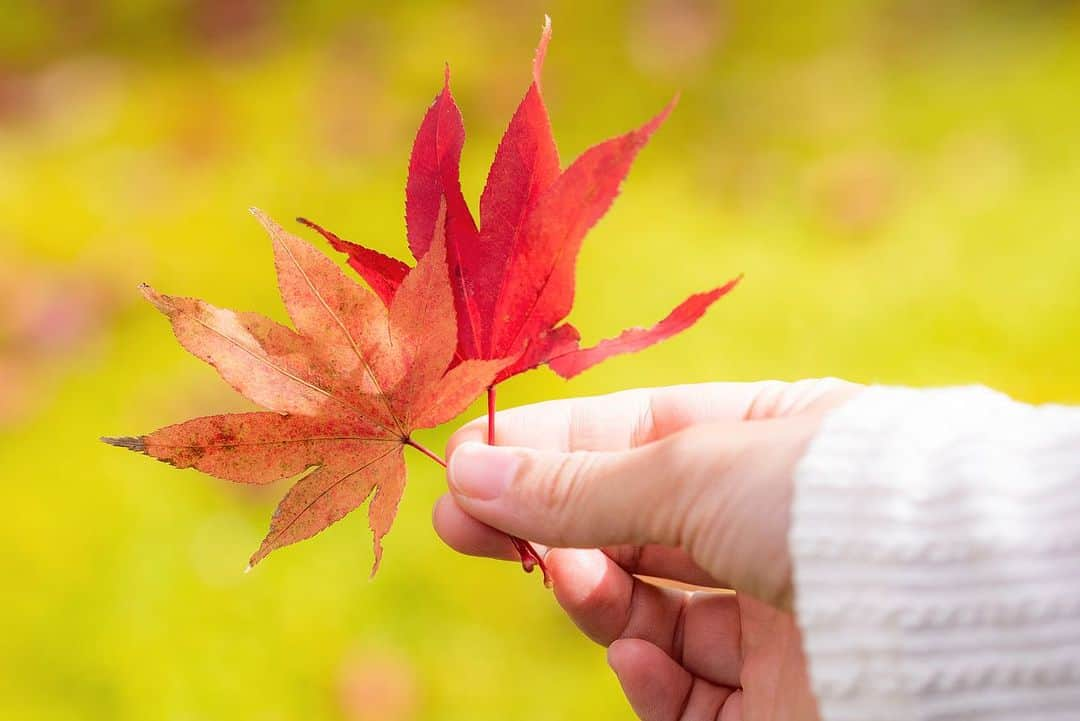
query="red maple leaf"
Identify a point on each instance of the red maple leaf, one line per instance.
(343, 391)
(513, 277)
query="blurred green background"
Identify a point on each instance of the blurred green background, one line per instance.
(898, 179)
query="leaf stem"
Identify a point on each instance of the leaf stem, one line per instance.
(426, 451)
(530, 557)
(491, 415)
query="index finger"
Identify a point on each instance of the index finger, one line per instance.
(627, 419)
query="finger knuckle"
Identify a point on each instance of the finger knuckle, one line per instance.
(558, 485)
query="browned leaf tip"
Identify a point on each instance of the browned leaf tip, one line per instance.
(132, 443)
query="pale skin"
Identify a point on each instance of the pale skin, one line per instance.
(690, 484)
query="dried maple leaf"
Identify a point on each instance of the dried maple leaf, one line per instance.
(513, 278)
(343, 391)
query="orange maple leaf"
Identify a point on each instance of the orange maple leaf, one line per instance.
(343, 391)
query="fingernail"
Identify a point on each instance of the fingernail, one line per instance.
(480, 471)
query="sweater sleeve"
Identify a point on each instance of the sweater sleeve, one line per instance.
(936, 546)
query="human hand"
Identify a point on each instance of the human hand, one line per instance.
(691, 484)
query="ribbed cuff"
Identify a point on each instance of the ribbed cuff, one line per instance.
(936, 547)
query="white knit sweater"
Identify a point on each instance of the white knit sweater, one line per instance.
(936, 544)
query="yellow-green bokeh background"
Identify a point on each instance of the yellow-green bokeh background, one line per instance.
(898, 179)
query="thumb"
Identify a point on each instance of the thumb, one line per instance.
(700, 489)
